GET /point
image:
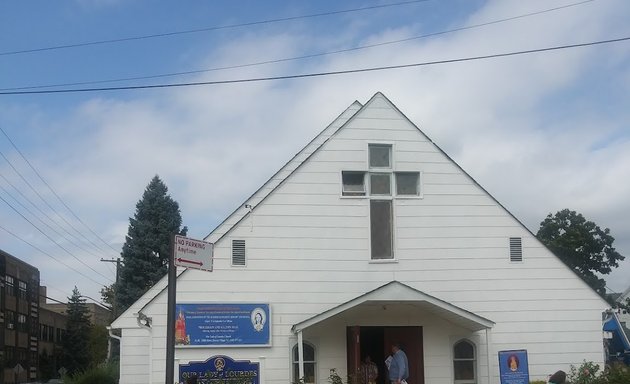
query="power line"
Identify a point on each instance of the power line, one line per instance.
(208, 29)
(319, 74)
(51, 239)
(57, 196)
(44, 201)
(310, 56)
(51, 256)
(42, 221)
(40, 211)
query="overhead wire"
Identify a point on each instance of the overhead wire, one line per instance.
(51, 256)
(45, 202)
(77, 245)
(53, 240)
(309, 56)
(57, 196)
(24, 207)
(319, 74)
(207, 29)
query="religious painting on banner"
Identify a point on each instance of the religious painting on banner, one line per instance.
(513, 367)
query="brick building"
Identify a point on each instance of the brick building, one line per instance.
(19, 305)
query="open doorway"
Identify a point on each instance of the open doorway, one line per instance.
(376, 342)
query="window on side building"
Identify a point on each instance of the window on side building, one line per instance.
(9, 285)
(21, 323)
(22, 289)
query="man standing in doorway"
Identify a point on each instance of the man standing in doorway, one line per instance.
(399, 366)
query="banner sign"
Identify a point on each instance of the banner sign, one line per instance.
(214, 324)
(513, 367)
(221, 369)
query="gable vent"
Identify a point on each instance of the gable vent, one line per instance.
(238, 252)
(516, 249)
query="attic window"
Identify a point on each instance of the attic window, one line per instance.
(238, 252)
(380, 155)
(516, 249)
(353, 183)
(408, 183)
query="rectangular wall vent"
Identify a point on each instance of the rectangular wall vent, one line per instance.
(516, 249)
(238, 252)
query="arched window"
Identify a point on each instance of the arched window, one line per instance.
(464, 362)
(309, 363)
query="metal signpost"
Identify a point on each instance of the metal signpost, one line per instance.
(188, 253)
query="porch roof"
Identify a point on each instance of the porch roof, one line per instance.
(397, 292)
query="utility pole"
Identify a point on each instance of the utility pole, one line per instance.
(115, 303)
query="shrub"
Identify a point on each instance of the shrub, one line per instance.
(588, 373)
(616, 374)
(584, 374)
(102, 374)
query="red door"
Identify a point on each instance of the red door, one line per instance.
(353, 345)
(410, 339)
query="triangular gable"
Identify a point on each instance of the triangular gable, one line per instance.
(343, 120)
(397, 292)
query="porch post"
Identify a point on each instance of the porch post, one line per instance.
(489, 358)
(300, 346)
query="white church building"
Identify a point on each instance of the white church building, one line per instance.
(370, 235)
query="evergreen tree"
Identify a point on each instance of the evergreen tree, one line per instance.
(76, 353)
(146, 250)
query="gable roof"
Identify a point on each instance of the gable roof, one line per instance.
(397, 292)
(292, 166)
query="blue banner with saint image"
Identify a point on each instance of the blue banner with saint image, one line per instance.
(214, 324)
(514, 367)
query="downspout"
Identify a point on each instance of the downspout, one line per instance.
(109, 341)
(488, 355)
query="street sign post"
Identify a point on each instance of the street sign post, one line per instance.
(191, 253)
(188, 253)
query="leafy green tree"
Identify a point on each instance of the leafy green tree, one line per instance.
(76, 353)
(98, 344)
(146, 250)
(582, 245)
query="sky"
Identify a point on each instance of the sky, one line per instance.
(540, 132)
